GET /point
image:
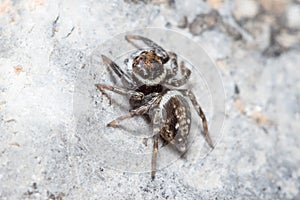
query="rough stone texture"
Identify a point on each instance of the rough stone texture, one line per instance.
(43, 45)
(245, 9)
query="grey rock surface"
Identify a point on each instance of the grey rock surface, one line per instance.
(45, 44)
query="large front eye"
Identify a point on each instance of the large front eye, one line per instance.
(140, 68)
(148, 70)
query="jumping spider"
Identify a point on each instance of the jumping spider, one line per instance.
(151, 88)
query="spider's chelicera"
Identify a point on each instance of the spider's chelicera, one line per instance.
(152, 88)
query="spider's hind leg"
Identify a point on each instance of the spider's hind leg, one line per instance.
(156, 132)
(154, 155)
(200, 112)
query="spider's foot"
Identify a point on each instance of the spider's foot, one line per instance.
(210, 143)
(145, 141)
(105, 95)
(113, 125)
(152, 175)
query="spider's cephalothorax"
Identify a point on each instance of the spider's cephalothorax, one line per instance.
(148, 68)
(149, 86)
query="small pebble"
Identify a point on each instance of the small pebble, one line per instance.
(293, 17)
(183, 22)
(203, 22)
(245, 9)
(215, 4)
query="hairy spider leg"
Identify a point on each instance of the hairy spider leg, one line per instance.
(200, 112)
(138, 111)
(154, 155)
(159, 50)
(131, 93)
(104, 93)
(125, 79)
(156, 132)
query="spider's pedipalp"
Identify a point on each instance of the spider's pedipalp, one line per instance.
(185, 73)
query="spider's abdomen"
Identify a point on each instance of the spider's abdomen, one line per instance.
(176, 119)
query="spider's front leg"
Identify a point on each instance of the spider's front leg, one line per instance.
(200, 112)
(185, 72)
(159, 50)
(125, 79)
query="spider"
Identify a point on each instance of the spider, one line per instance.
(151, 87)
